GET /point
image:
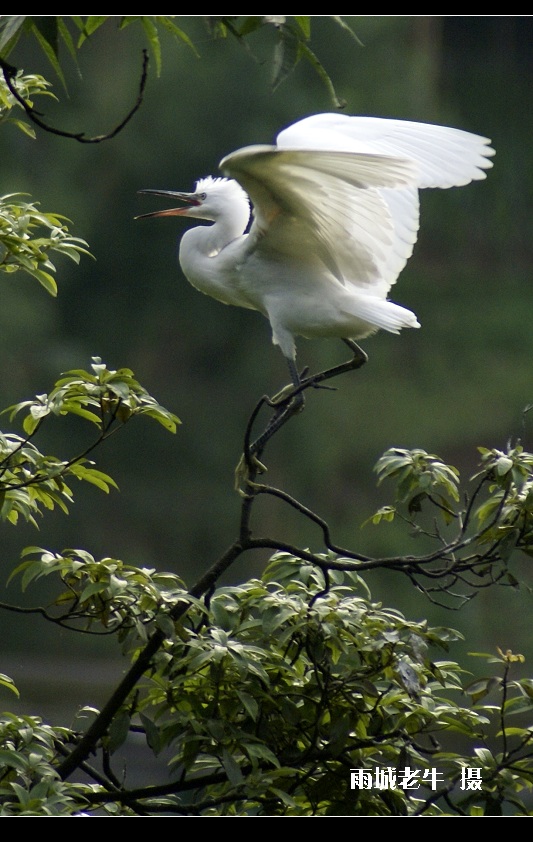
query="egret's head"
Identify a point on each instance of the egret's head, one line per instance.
(212, 198)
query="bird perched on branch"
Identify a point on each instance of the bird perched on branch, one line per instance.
(334, 214)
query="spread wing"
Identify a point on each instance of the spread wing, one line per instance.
(345, 190)
(322, 204)
(442, 156)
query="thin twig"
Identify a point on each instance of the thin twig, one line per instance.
(10, 74)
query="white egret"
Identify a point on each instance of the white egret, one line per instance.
(335, 215)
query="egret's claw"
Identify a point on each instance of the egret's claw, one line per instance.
(242, 473)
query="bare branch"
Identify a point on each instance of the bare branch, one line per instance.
(10, 73)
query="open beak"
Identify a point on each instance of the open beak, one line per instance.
(188, 198)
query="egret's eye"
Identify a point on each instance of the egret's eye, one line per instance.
(202, 196)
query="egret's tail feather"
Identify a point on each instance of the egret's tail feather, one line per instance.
(385, 315)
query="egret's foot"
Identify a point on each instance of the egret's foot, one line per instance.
(283, 396)
(314, 385)
(242, 473)
(290, 401)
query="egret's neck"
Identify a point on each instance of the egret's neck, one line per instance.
(212, 239)
(209, 254)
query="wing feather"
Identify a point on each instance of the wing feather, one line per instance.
(321, 203)
(344, 190)
(444, 156)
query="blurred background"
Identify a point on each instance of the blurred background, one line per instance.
(460, 382)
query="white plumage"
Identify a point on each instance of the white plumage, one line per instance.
(335, 216)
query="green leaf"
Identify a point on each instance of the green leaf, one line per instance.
(95, 477)
(154, 737)
(304, 24)
(286, 57)
(71, 408)
(250, 704)
(515, 732)
(66, 37)
(167, 419)
(47, 38)
(503, 465)
(165, 623)
(527, 686)
(177, 32)
(324, 76)
(6, 681)
(346, 28)
(119, 730)
(151, 32)
(12, 760)
(386, 513)
(24, 127)
(45, 279)
(485, 756)
(92, 589)
(251, 23)
(232, 768)
(482, 687)
(10, 30)
(92, 23)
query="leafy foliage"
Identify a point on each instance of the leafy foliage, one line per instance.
(108, 594)
(269, 697)
(113, 397)
(31, 481)
(507, 515)
(28, 238)
(29, 785)
(419, 475)
(294, 34)
(28, 87)
(284, 688)
(292, 43)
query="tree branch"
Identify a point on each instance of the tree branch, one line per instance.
(10, 74)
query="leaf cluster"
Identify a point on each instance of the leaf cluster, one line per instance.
(265, 697)
(29, 785)
(419, 476)
(29, 238)
(30, 480)
(27, 86)
(104, 596)
(292, 41)
(269, 701)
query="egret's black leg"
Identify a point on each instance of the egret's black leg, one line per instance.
(290, 401)
(359, 358)
(287, 403)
